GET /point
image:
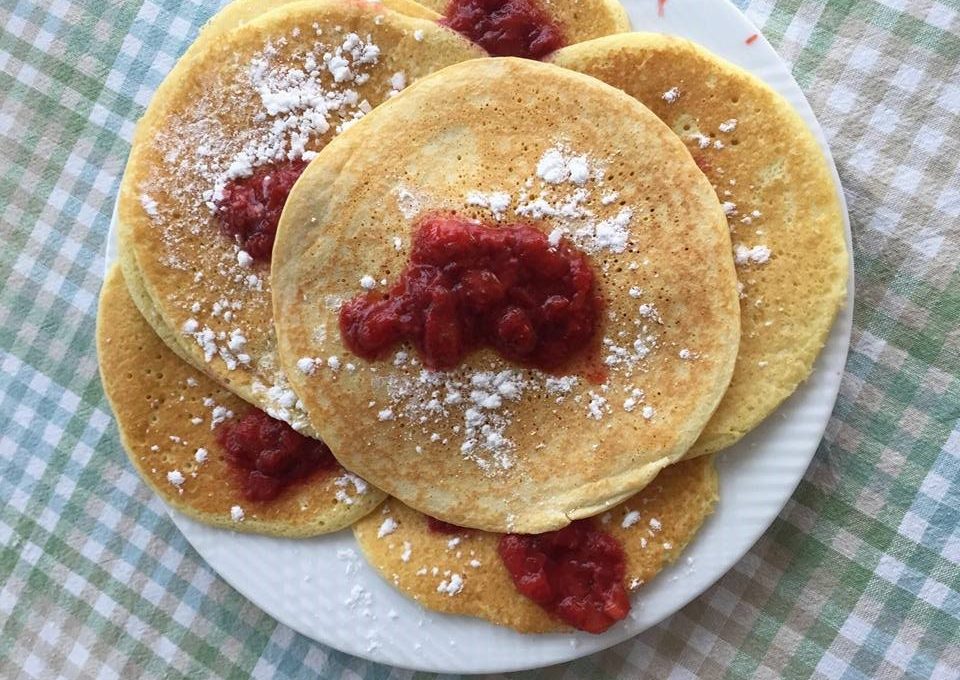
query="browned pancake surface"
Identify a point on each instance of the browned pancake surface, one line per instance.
(166, 411)
(653, 527)
(784, 215)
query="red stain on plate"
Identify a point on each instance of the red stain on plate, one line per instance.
(660, 6)
(752, 39)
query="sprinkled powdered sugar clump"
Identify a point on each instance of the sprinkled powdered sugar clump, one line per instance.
(408, 203)
(281, 402)
(755, 255)
(451, 586)
(149, 205)
(388, 527)
(398, 81)
(343, 484)
(218, 413)
(559, 169)
(631, 518)
(728, 125)
(671, 95)
(427, 398)
(497, 202)
(299, 102)
(482, 405)
(176, 478)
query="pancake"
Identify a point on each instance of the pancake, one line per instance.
(671, 510)
(233, 15)
(239, 12)
(491, 445)
(578, 20)
(785, 218)
(165, 411)
(246, 101)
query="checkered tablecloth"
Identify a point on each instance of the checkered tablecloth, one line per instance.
(859, 577)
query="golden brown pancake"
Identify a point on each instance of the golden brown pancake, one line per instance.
(240, 12)
(166, 411)
(785, 218)
(490, 445)
(254, 96)
(233, 15)
(660, 521)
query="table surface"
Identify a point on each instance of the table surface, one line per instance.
(859, 577)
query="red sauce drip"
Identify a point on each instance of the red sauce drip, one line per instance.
(438, 526)
(661, 5)
(469, 285)
(752, 39)
(250, 208)
(575, 573)
(270, 455)
(505, 28)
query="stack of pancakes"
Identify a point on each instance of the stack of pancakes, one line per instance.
(701, 201)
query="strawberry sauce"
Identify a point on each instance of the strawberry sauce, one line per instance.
(505, 28)
(469, 286)
(250, 208)
(270, 455)
(575, 573)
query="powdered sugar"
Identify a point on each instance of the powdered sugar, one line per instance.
(558, 165)
(497, 202)
(300, 101)
(344, 482)
(176, 478)
(451, 586)
(759, 254)
(610, 234)
(281, 402)
(307, 365)
(388, 526)
(483, 400)
(598, 406)
(728, 125)
(408, 203)
(398, 81)
(702, 140)
(218, 413)
(149, 205)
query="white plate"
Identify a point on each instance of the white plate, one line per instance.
(305, 585)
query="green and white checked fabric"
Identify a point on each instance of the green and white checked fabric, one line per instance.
(859, 577)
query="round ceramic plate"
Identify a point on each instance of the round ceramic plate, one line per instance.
(322, 587)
